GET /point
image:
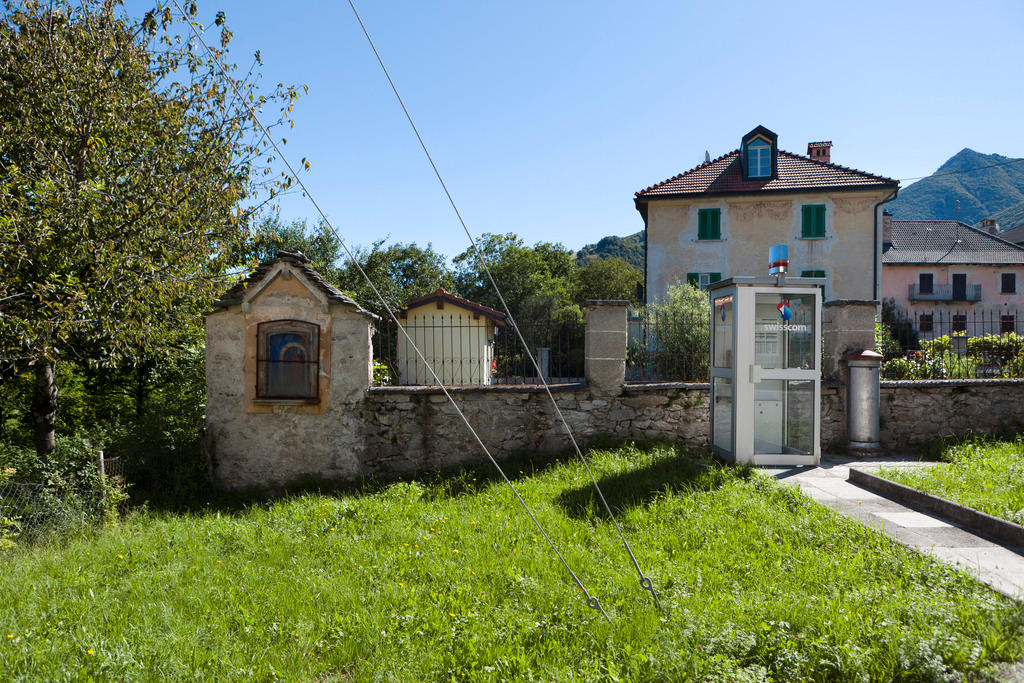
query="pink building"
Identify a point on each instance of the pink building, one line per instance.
(950, 277)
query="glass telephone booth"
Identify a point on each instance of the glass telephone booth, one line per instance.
(766, 370)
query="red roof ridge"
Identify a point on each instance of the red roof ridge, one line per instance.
(443, 294)
(830, 164)
(680, 175)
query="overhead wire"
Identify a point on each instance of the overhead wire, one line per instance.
(592, 601)
(645, 581)
(966, 170)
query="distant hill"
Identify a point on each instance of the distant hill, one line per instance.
(629, 249)
(1011, 217)
(985, 184)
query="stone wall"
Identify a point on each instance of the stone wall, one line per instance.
(353, 430)
(410, 429)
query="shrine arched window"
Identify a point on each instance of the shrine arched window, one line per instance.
(288, 360)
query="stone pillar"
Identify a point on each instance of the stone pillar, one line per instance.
(605, 356)
(847, 325)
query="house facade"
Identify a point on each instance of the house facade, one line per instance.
(719, 219)
(947, 277)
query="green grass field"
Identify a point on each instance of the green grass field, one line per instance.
(983, 474)
(446, 579)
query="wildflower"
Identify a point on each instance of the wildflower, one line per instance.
(10, 635)
(120, 557)
(456, 550)
(451, 614)
(89, 652)
(400, 584)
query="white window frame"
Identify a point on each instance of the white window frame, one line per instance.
(763, 148)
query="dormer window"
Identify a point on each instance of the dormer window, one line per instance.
(757, 154)
(759, 158)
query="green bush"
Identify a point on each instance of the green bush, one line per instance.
(679, 344)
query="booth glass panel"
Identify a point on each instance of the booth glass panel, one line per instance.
(784, 331)
(723, 321)
(722, 413)
(784, 416)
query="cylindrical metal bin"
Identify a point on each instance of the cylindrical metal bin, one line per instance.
(862, 400)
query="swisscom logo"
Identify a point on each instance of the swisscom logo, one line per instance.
(785, 312)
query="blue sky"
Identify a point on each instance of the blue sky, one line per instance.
(546, 117)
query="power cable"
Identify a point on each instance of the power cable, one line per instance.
(966, 170)
(645, 581)
(591, 600)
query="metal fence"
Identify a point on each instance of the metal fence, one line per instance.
(952, 344)
(668, 347)
(30, 510)
(467, 352)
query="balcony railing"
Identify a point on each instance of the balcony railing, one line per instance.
(945, 293)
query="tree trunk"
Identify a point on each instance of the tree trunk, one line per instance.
(44, 408)
(141, 387)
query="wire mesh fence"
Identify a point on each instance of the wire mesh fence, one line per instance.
(464, 351)
(30, 511)
(952, 344)
(672, 346)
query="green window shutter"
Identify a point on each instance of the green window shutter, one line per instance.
(715, 277)
(812, 220)
(709, 224)
(693, 279)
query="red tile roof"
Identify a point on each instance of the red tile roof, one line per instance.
(441, 294)
(796, 173)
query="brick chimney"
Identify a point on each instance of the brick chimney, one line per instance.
(989, 225)
(820, 151)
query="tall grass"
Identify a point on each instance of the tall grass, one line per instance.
(446, 579)
(983, 473)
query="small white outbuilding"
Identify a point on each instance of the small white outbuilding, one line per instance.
(455, 335)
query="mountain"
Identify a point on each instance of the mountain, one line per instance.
(985, 184)
(629, 249)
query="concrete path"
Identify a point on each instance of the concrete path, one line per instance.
(1000, 566)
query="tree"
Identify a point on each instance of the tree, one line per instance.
(128, 165)
(319, 244)
(608, 278)
(537, 282)
(399, 271)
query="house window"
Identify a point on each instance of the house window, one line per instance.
(925, 283)
(960, 322)
(709, 224)
(815, 273)
(702, 280)
(812, 223)
(288, 360)
(759, 159)
(926, 322)
(1008, 283)
(1007, 323)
